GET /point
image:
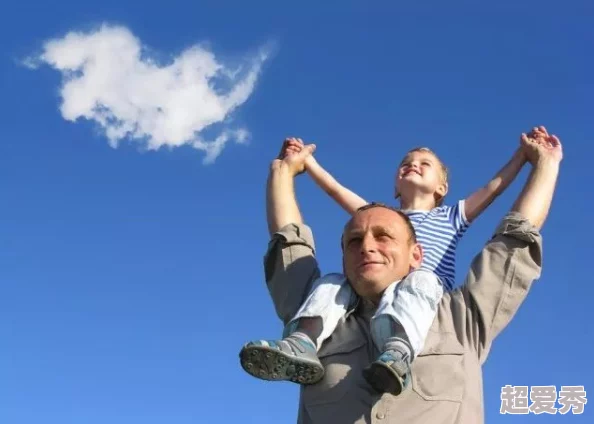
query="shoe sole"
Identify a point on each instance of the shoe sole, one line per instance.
(273, 365)
(383, 379)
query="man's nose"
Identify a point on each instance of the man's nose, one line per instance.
(368, 244)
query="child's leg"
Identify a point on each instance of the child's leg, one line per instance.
(294, 358)
(400, 326)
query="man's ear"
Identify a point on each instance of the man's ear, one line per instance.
(416, 256)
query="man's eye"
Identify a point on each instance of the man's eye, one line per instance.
(354, 240)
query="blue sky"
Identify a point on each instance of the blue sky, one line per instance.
(130, 277)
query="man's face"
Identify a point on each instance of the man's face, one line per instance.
(378, 251)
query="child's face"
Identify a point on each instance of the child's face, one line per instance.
(420, 172)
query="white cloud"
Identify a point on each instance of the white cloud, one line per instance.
(109, 78)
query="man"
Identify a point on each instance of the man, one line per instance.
(446, 375)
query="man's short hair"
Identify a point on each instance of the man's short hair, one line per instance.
(410, 228)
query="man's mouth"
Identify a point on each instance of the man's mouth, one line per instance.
(369, 263)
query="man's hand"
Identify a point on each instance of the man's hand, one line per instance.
(540, 145)
(293, 155)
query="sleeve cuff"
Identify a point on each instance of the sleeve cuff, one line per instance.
(462, 209)
(294, 234)
(515, 225)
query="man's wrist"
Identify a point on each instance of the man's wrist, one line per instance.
(275, 165)
(280, 167)
(548, 163)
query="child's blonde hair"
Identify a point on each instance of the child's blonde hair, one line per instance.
(444, 171)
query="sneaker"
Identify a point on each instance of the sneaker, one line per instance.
(390, 373)
(292, 359)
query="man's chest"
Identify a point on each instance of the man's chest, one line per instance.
(343, 396)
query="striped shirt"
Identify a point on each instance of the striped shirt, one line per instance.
(438, 232)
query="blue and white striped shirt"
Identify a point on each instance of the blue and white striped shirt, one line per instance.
(439, 231)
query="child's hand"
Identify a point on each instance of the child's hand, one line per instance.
(534, 136)
(539, 144)
(291, 146)
(293, 154)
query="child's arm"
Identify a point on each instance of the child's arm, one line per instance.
(345, 197)
(478, 201)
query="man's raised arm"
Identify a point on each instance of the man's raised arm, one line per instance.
(289, 264)
(502, 274)
(545, 153)
(281, 203)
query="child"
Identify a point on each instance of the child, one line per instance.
(407, 308)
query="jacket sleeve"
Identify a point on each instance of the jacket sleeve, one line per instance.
(499, 280)
(290, 267)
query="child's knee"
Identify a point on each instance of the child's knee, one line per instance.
(332, 278)
(425, 282)
(422, 276)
